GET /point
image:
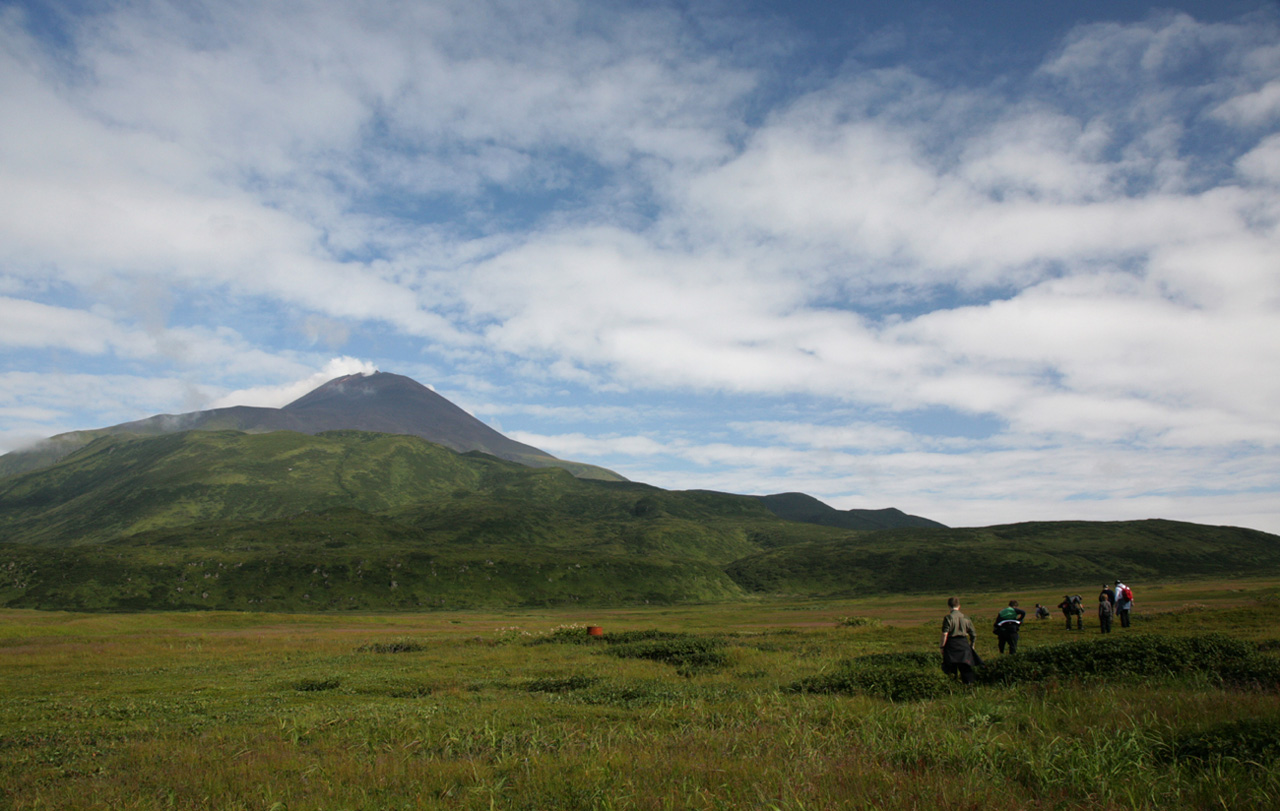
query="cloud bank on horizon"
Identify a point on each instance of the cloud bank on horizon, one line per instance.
(982, 268)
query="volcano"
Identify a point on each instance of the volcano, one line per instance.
(381, 402)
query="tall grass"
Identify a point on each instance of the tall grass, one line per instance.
(460, 711)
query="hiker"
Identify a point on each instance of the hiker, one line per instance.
(1042, 613)
(1072, 607)
(958, 636)
(1111, 595)
(1008, 621)
(1105, 609)
(1124, 603)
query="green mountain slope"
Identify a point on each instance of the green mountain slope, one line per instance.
(1074, 554)
(331, 521)
(349, 520)
(120, 486)
(340, 560)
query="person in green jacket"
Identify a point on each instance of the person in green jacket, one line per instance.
(1008, 621)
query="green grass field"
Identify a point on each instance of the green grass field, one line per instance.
(761, 705)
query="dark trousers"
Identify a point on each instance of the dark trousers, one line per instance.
(1105, 621)
(966, 672)
(1079, 621)
(1124, 617)
(1011, 639)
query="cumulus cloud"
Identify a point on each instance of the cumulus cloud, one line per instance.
(633, 206)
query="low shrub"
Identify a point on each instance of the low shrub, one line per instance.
(903, 659)
(631, 694)
(314, 685)
(687, 653)
(1251, 740)
(892, 683)
(858, 622)
(1260, 671)
(1231, 660)
(560, 684)
(396, 646)
(909, 676)
(628, 637)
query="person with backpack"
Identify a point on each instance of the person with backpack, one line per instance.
(1042, 613)
(1105, 609)
(958, 636)
(1008, 621)
(1073, 606)
(1124, 603)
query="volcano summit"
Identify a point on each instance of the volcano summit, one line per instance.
(380, 402)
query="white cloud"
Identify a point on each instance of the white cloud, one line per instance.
(1257, 108)
(281, 395)
(549, 195)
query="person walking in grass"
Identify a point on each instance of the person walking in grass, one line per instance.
(1124, 603)
(1104, 610)
(1072, 607)
(1008, 621)
(958, 636)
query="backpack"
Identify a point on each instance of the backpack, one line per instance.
(1127, 593)
(1077, 604)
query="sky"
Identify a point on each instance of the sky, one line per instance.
(984, 262)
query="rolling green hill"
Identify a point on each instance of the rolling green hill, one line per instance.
(348, 520)
(305, 522)
(1077, 555)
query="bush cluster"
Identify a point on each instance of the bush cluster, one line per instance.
(890, 682)
(1251, 740)
(314, 685)
(918, 675)
(561, 684)
(397, 646)
(1232, 661)
(687, 653)
(858, 622)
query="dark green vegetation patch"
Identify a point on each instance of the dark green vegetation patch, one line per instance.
(1250, 740)
(918, 675)
(1232, 661)
(395, 646)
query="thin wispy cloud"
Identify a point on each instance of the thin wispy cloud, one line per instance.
(746, 252)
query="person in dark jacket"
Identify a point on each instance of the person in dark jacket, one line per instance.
(958, 636)
(1008, 621)
(1071, 607)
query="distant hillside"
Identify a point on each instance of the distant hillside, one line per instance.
(119, 486)
(380, 402)
(353, 520)
(127, 521)
(806, 508)
(1077, 555)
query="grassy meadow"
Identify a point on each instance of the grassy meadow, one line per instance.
(748, 705)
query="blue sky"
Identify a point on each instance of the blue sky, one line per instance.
(984, 262)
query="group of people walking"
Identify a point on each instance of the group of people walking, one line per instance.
(958, 634)
(1113, 601)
